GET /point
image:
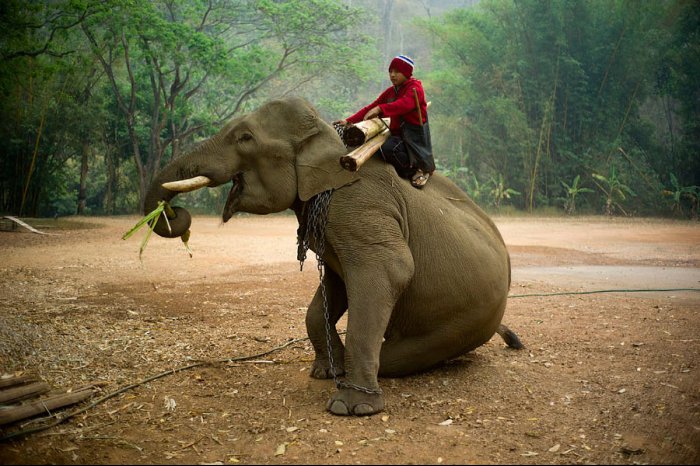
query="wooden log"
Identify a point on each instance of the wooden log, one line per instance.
(354, 160)
(359, 133)
(16, 413)
(16, 380)
(367, 131)
(24, 391)
(28, 227)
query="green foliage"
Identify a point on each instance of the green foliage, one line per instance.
(122, 87)
(526, 91)
(572, 191)
(614, 190)
(680, 194)
(523, 86)
(499, 191)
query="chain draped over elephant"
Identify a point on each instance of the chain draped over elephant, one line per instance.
(422, 274)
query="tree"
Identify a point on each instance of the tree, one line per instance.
(548, 89)
(178, 67)
(678, 84)
(40, 71)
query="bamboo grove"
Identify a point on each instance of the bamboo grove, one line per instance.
(576, 105)
(579, 107)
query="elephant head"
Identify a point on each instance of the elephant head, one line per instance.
(280, 153)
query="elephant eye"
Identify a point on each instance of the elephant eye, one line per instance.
(245, 137)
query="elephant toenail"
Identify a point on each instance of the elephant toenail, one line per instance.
(339, 408)
(364, 409)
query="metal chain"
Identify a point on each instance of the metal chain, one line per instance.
(316, 220)
(340, 129)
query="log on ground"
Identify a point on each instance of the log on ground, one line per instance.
(19, 412)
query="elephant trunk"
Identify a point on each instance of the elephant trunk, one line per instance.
(196, 164)
(181, 220)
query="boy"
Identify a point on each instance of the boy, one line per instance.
(408, 148)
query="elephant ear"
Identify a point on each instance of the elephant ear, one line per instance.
(319, 149)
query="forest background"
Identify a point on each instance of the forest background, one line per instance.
(540, 106)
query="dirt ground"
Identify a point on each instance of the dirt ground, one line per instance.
(605, 378)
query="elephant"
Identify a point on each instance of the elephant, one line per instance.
(423, 275)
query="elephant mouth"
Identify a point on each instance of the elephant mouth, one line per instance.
(234, 196)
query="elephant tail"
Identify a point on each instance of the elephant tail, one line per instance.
(509, 337)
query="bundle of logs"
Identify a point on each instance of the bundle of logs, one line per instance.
(369, 135)
(14, 389)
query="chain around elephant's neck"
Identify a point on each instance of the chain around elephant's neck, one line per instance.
(313, 222)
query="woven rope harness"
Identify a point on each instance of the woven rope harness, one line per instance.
(313, 224)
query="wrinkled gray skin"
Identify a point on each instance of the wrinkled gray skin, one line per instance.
(423, 274)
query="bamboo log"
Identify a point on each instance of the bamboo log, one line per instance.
(369, 135)
(354, 160)
(16, 413)
(359, 133)
(23, 392)
(16, 380)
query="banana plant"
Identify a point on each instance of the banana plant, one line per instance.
(678, 193)
(613, 189)
(572, 191)
(499, 192)
(475, 189)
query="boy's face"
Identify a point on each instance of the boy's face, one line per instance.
(397, 78)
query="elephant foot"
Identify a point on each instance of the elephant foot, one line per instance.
(321, 369)
(350, 402)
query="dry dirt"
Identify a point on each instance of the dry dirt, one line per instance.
(605, 378)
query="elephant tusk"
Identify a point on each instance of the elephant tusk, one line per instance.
(187, 185)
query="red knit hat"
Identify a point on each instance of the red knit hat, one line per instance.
(403, 65)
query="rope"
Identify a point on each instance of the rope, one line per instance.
(562, 293)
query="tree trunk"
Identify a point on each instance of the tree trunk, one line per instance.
(108, 200)
(82, 196)
(388, 5)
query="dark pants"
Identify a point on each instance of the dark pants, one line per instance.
(394, 152)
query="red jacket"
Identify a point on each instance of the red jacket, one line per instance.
(396, 103)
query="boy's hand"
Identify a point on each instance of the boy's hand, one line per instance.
(374, 113)
(342, 122)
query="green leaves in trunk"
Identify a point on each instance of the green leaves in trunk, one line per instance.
(151, 219)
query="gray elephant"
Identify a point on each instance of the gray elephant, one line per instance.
(423, 274)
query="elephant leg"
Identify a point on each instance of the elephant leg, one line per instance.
(370, 306)
(337, 302)
(408, 355)
(403, 355)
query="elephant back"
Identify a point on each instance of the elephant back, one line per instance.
(379, 181)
